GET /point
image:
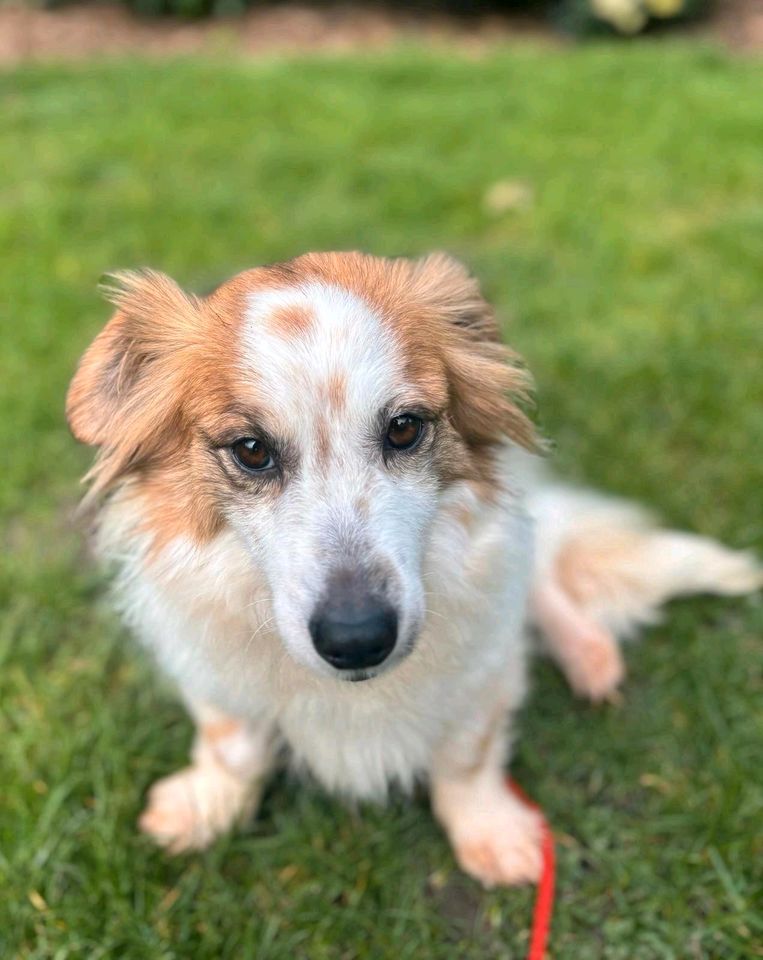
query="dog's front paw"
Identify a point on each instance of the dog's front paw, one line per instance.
(190, 808)
(499, 845)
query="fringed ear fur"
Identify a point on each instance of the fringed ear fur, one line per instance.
(127, 390)
(489, 386)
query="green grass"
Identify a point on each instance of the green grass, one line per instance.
(632, 283)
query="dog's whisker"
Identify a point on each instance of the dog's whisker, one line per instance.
(435, 613)
(255, 603)
(261, 627)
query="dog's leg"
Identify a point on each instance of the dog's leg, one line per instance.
(221, 787)
(588, 654)
(603, 569)
(495, 837)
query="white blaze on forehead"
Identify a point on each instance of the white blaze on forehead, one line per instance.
(322, 365)
(342, 336)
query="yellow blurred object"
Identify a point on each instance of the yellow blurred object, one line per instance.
(506, 195)
(664, 8)
(627, 16)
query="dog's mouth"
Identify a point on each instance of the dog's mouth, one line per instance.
(401, 653)
(358, 676)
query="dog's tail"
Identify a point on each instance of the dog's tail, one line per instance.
(603, 568)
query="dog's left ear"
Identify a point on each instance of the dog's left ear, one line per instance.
(488, 384)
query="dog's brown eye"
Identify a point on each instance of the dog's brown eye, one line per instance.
(252, 454)
(404, 431)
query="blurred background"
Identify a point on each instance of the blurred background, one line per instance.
(599, 165)
(65, 30)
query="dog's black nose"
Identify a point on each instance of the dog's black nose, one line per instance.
(354, 635)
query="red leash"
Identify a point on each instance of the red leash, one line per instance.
(544, 898)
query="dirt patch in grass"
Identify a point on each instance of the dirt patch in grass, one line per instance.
(103, 30)
(95, 30)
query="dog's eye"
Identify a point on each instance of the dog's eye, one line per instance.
(403, 432)
(252, 455)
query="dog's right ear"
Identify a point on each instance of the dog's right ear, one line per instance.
(154, 320)
(126, 396)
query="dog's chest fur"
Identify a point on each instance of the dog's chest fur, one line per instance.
(205, 613)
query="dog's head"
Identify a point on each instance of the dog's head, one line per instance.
(319, 409)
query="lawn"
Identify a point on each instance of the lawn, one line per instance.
(630, 278)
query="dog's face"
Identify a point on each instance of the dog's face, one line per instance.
(319, 409)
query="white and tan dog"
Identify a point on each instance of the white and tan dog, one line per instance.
(320, 473)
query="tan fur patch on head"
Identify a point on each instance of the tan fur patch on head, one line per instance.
(336, 392)
(334, 397)
(290, 321)
(323, 442)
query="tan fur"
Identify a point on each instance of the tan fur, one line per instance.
(323, 442)
(128, 398)
(220, 729)
(336, 393)
(291, 321)
(585, 563)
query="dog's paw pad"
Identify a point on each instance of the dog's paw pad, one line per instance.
(188, 809)
(504, 849)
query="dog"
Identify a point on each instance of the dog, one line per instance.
(332, 523)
